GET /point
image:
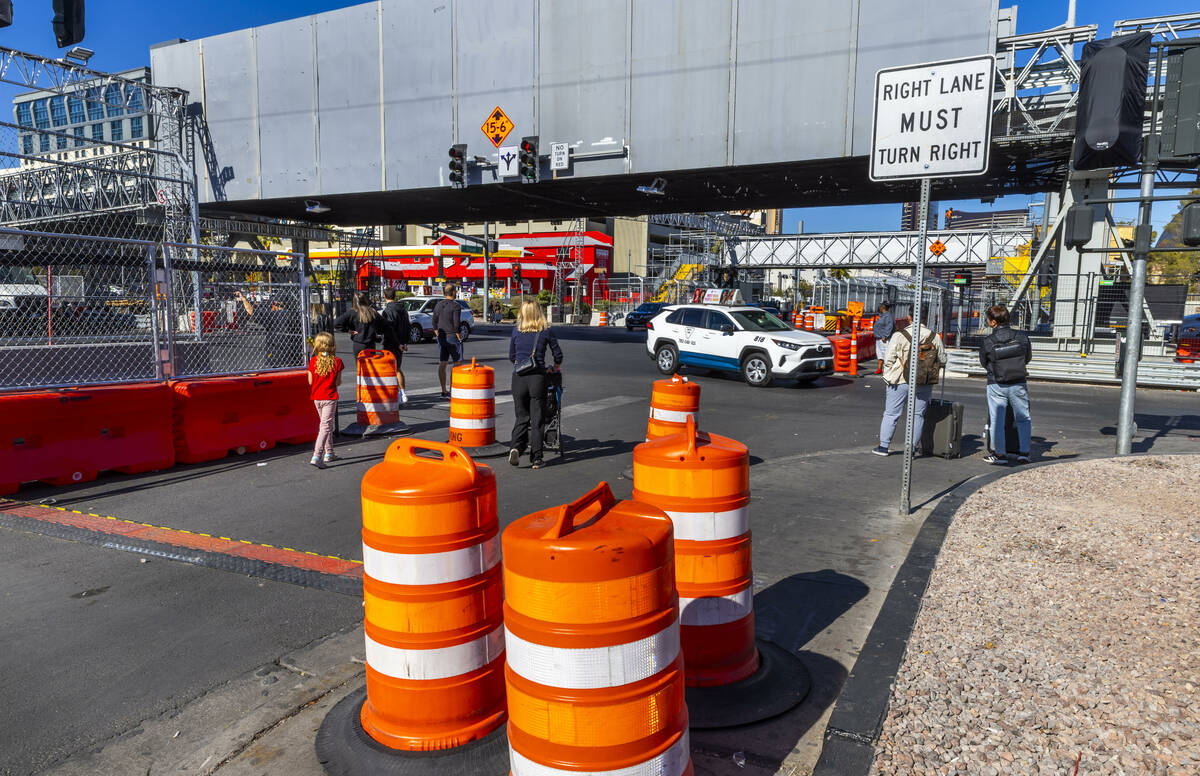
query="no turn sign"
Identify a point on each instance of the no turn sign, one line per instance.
(932, 120)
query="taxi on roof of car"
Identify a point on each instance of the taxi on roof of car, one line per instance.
(736, 338)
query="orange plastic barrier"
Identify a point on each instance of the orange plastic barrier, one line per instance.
(214, 415)
(67, 436)
(1187, 351)
(866, 345)
(672, 402)
(431, 597)
(378, 388)
(702, 482)
(841, 353)
(603, 317)
(472, 405)
(595, 673)
(208, 320)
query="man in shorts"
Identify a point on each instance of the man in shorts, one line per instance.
(445, 321)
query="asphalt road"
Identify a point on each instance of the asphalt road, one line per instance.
(98, 640)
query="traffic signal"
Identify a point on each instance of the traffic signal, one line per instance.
(962, 278)
(68, 22)
(527, 162)
(1112, 101)
(516, 273)
(458, 165)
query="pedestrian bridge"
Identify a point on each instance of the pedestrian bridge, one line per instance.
(665, 105)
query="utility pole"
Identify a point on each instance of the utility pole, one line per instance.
(914, 352)
(487, 271)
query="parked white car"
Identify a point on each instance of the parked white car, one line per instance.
(420, 318)
(736, 339)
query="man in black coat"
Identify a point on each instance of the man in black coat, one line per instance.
(1004, 354)
(396, 317)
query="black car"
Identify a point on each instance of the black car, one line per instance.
(642, 314)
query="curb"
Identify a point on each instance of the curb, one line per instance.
(857, 718)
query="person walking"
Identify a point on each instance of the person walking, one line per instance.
(883, 328)
(931, 358)
(1004, 354)
(527, 350)
(446, 317)
(324, 377)
(279, 316)
(395, 315)
(364, 323)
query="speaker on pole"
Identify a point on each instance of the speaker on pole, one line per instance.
(1112, 102)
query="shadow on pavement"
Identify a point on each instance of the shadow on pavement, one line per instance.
(789, 613)
(1161, 425)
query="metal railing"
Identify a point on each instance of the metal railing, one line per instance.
(86, 310)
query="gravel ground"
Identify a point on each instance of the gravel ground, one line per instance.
(1059, 627)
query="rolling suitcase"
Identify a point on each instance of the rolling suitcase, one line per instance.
(1011, 441)
(943, 431)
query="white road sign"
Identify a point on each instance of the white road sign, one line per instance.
(932, 120)
(507, 155)
(560, 156)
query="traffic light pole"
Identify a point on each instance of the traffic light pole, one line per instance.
(1137, 295)
(914, 351)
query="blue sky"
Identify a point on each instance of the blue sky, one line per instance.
(121, 32)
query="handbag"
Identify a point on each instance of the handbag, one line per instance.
(528, 365)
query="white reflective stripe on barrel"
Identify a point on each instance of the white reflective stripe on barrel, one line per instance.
(717, 610)
(472, 423)
(710, 526)
(440, 663)
(379, 381)
(431, 568)
(671, 416)
(673, 762)
(382, 406)
(472, 393)
(589, 668)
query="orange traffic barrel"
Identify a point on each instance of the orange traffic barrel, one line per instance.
(377, 395)
(594, 673)
(603, 317)
(473, 410)
(432, 616)
(702, 482)
(672, 402)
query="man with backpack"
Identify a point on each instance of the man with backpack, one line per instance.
(396, 317)
(446, 318)
(1004, 354)
(931, 358)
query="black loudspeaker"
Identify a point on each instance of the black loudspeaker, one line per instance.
(1190, 231)
(1077, 231)
(1181, 104)
(5, 13)
(68, 22)
(1112, 102)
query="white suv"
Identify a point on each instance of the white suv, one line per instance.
(736, 339)
(420, 318)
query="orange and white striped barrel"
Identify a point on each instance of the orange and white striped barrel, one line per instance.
(672, 402)
(594, 673)
(798, 319)
(603, 317)
(702, 481)
(432, 599)
(378, 392)
(854, 349)
(473, 405)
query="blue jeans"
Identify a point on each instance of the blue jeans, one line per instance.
(896, 397)
(999, 398)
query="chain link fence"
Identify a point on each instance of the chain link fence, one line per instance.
(77, 310)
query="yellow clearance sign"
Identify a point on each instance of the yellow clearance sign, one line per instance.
(497, 126)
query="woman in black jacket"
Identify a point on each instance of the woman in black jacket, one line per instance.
(366, 326)
(530, 338)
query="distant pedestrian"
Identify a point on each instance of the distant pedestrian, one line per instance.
(883, 328)
(1004, 354)
(324, 377)
(280, 318)
(931, 358)
(395, 315)
(320, 320)
(527, 350)
(446, 318)
(364, 323)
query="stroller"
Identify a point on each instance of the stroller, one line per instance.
(552, 436)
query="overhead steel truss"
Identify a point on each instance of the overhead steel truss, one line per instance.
(1037, 100)
(159, 178)
(865, 250)
(715, 223)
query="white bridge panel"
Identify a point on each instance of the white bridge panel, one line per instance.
(876, 249)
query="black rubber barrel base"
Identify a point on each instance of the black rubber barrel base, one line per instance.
(780, 683)
(488, 451)
(345, 749)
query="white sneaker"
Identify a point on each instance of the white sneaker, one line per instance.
(403, 397)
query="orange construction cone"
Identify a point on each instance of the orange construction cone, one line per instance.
(672, 402)
(433, 621)
(595, 673)
(702, 481)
